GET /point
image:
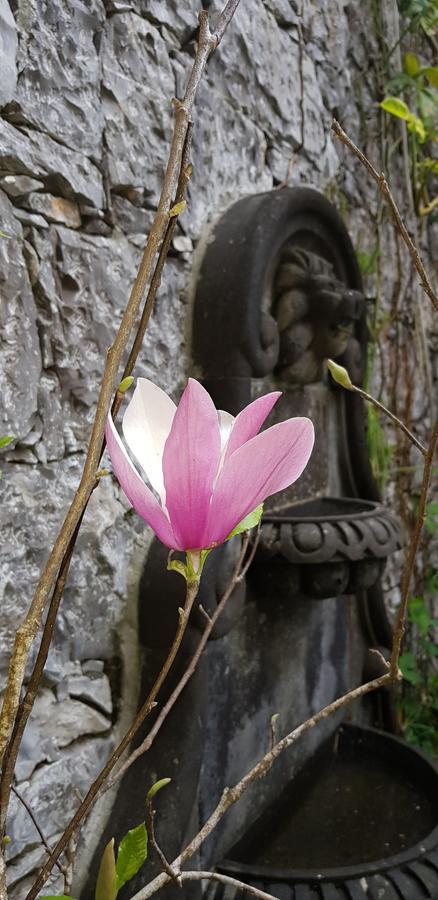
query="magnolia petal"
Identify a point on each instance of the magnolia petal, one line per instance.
(137, 492)
(146, 426)
(249, 422)
(267, 463)
(190, 463)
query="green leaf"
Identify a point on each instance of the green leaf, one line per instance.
(431, 73)
(416, 126)
(133, 852)
(250, 521)
(411, 64)
(6, 440)
(408, 668)
(419, 615)
(157, 787)
(396, 107)
(107, 882)
(56, 897)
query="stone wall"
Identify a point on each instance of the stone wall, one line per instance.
(86, 94)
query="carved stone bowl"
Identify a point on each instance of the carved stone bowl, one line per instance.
(359, 822)
(325, 547)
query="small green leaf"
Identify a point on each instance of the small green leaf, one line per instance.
(3, 235)
(408, 667)
(6, 440)
(125, 384)
(416, 126)
(177, 209)
(419, 615)
(176, 565)
(132, 853)
(250, 521)
(411, 64)
(396, 107)
(107, 884)
(340, 375)
(157, 787)
(431, 73)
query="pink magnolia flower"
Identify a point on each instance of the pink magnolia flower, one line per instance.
(209, 469)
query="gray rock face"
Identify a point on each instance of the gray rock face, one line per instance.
(33, 153)
(8, 53)
(58, 89)
(20, 356)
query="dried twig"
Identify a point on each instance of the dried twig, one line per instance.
(185, 678)
(28, 629)
(395, 419)
(82, 811)
(40, 831)
(230, 796)
(227, 880)
(383, 186)
(150, 827)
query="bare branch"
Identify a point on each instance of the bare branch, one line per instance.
(226, 879)
(40, 831)
(230, 796)
(382, 184)
(29, 627)
(82, 811)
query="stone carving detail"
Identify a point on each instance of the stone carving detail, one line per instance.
(329, 530)
(315, 313)
(326, 547)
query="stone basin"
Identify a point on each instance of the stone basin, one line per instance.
(326, 546)
(359, 821)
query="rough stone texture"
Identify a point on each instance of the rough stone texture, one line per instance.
(8, 53)
(87, 126)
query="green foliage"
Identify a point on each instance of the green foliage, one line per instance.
(418, 107)
(380, 451)
(6, 440)
(133, 852)
(431, 519)
(419, 701)
(422, 14)
(368, 261)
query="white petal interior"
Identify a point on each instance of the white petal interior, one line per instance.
(226, 422)
(146, 426)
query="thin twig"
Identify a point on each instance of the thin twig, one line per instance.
(227, 880)
(383, 186)
(230, 796)
(252, 553)
(28, 629)
(82, 811)
(185, 678)
(25, 707)
(40, 831)
(390, 415)
(150, 827)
